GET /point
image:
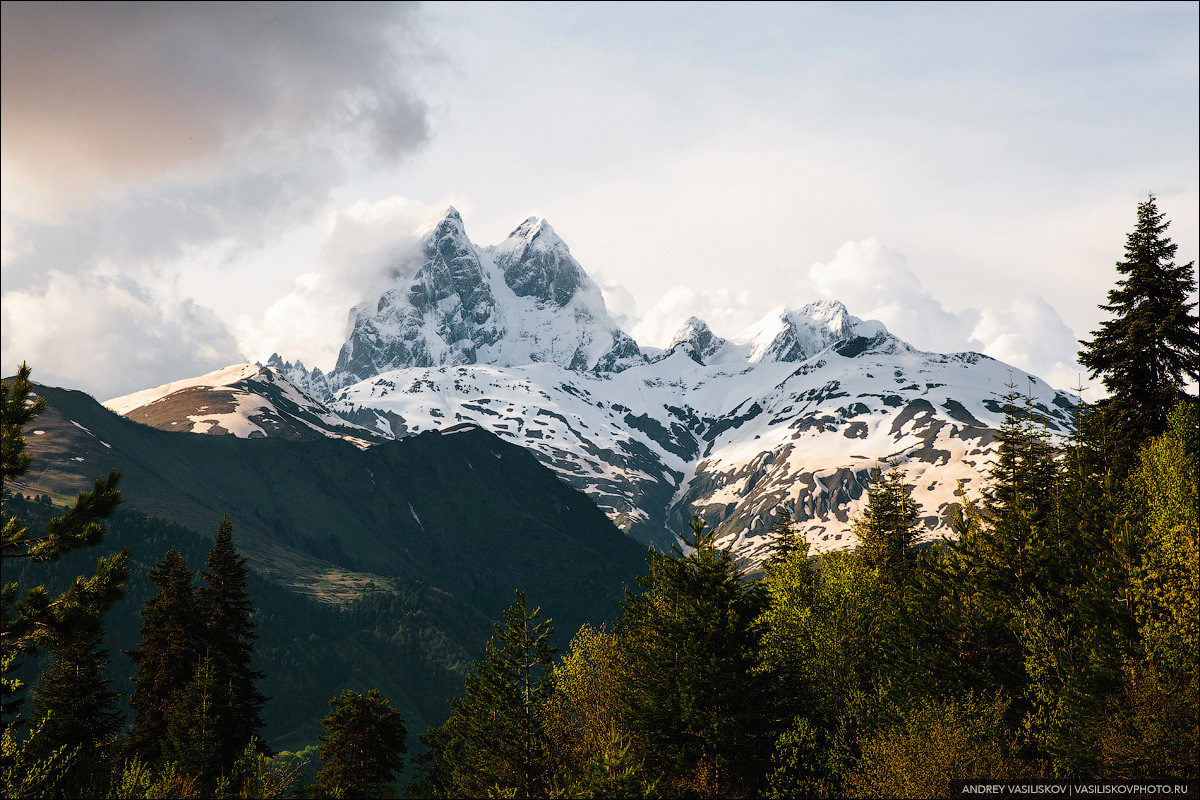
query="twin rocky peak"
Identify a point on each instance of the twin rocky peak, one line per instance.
(527, 300)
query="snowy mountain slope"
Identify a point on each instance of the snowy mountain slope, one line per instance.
(245, 400)
(799, 408)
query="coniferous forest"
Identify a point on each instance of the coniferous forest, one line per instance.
(1057, 637)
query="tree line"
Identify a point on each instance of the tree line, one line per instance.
(196, 703)
(1057, 636)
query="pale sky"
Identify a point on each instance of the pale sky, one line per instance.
(188, 186)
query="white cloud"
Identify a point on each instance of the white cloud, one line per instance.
(1030, 335)
(109, 336)
(369, 246)
(620, 302)
(875, 282)
(725, 312)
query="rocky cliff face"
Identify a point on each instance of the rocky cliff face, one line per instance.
(523, 300)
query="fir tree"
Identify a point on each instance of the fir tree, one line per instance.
(494, 740)
(74, 708)
(194, 731)
(785, 539)
(226, 612)
(362, 746)
(167, 658)
(888, 527)
(1151, 345)
(693, 700)
(36, 616)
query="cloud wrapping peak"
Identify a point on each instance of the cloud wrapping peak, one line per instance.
(370, 246)
(875, 282)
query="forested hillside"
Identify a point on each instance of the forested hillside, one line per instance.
(1055, 637)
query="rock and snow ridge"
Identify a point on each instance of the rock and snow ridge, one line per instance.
(245, 400)
(798, 408)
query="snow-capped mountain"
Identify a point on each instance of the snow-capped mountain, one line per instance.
(245, 400)
(522, 301)
(707, 429)
(799, 408)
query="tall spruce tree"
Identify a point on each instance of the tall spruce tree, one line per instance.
(888, 527)
(74, 708)
(226, 612)
(494, 740)
(169, 653)
(1151, 345)
(34, 616)
(362, 746)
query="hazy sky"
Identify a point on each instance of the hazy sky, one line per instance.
(185, 186)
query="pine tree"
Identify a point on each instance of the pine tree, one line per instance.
(226, 612)
(785, 539)
(494, 740)
(74, 708)
(37, 617)
(889, 526)
(167, 658)
(1149, 347)
(362, 746)
(694, 701)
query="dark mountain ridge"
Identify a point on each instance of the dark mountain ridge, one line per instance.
(459, 510)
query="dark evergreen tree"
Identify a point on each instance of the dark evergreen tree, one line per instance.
(695, 704)
(36, 616)
(194, 726)
(494, 740)
(362, 746)
(74, 708)
(888, 527)
(169, 653)
(1151, 345)
(785, 539)
(226, 611)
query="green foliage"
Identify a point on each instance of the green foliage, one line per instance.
(581, 716)
(798, 761)
(362, 747)
(693, 702)
(1149, 347)
(888, 527)
(35, 617)
(74, 709)
(22, 774)
(823, 630)
(495, 740)
(1168, 582)
(938, 742)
